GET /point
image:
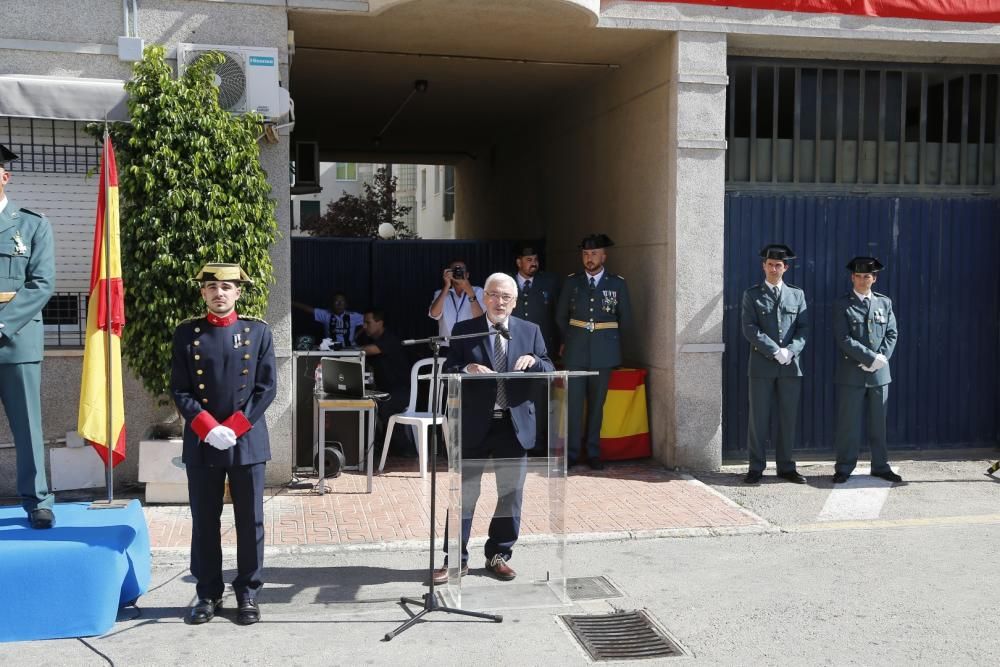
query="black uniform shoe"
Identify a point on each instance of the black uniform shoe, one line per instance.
(203, 611)
(596, 464)
(889, 476)
(840, 478)
(753, 477)
(792, 477)
(249, 612)
(41, 518)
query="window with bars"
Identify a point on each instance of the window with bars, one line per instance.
(49, 146)
(862, 125)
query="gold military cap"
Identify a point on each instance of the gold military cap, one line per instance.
(222, 272)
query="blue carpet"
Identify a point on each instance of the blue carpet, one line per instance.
(70, 580)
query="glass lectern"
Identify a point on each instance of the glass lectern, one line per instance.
(525, 493)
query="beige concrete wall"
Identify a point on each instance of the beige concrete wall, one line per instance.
(77, 38)
(602, 164)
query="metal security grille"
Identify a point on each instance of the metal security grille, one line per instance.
(591, 588)
(631, 635)
(869, 126)
(49, 146)
(65, 320)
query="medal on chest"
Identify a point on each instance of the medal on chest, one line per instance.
(19, 247)
(609, 301)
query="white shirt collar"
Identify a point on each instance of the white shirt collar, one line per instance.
(490, 323)
(3, 203)
(521, 280)
(862, 297)
(780, 285)
(597, 276)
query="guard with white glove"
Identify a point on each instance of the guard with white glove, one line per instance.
(221, 437)
(774, 320)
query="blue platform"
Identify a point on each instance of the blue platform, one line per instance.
(70, 580)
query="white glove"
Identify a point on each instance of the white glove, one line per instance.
(783, 356)
(326, 344)
(866, 369)
(221, 437)
(880, 362)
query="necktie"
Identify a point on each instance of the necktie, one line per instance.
(868, 304)
(527, 285)
(592, 283)
(500, 366)
(777, 293)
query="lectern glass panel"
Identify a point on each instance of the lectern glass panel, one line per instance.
(499, 496)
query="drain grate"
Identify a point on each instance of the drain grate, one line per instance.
(591, 588)
(628, 635)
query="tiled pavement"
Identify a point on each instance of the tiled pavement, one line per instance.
(624, 498)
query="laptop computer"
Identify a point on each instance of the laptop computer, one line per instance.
(345, 377)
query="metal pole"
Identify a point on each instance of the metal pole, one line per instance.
(107, 328)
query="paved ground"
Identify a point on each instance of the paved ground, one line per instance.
(622, 499)
(800, 585)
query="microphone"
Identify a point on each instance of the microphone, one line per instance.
(502, 330)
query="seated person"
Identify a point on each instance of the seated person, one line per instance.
(385, 357)
(340, 325)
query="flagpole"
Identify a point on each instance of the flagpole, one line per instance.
(109, 474)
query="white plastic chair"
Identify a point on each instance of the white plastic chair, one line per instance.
(421, 421)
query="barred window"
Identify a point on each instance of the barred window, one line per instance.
(870, 125)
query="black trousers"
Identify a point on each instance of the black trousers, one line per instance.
(500, 443)
(206, 489)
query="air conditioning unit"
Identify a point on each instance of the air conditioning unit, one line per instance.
(247, 79)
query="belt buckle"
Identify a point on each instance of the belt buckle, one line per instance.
(590, 326)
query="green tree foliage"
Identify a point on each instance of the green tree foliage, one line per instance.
(192, 191)
(360, 216)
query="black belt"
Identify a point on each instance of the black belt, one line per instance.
(501, 414)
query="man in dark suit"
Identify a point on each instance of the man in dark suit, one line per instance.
(498, 418)
(594, 307)
(864, 328)
(775, 322)
(26, 249)
(222, 381)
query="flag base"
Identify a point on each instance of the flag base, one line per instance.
(108, 504)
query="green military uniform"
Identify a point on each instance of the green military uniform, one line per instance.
(27, 276)
(862, 331)
(536, 302)
(591, 318)
(772, 322)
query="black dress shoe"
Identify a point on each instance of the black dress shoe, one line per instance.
(840, 478)
(889, 476)
(596, 464)
(203, 611)
(249, 612)
(792, 476)
(753, 477)
(41, 518)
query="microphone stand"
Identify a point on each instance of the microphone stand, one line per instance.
(429, 600)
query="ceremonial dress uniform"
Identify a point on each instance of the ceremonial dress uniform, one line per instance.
(591, 313)
(775, 322)
(864, 330)
(27, 278)
(223, 373)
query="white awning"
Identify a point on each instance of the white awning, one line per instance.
(61, 98)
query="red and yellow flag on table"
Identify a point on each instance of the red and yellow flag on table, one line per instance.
(105, 320)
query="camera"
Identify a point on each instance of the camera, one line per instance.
(458, 272)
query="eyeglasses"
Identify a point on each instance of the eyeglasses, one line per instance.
(501, 297)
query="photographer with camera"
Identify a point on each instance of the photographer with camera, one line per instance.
(458, 300)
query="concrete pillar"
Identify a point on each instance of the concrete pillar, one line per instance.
(696, 219)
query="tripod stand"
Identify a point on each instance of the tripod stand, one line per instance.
(429, 600)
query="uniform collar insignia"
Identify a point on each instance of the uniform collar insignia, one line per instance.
(226, 321)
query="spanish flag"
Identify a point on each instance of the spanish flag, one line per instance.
(102, 381)
(625, 427)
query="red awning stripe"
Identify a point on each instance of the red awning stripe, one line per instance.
(979, 11)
